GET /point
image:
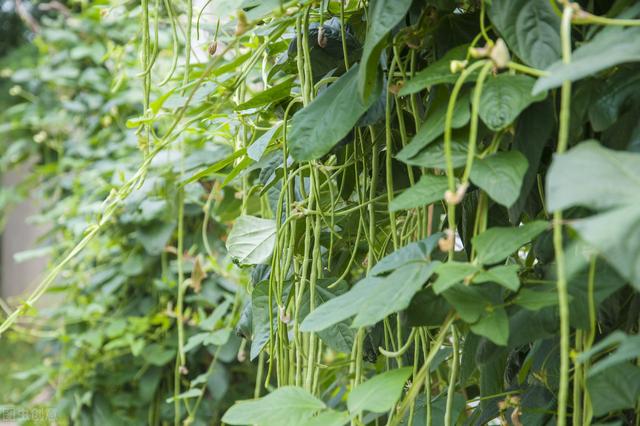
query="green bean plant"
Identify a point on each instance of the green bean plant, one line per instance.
(383, 212)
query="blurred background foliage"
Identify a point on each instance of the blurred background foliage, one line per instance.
(106, 348)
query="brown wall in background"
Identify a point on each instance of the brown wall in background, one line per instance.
(18, 235)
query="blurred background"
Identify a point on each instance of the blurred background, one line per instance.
(100, 347)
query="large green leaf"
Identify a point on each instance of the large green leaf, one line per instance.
(535, 300)
(379, 393)
(615, 388)
(437, 73)
(628, 349)
(427, 190)
(504, 97)
(531, 29)
(494, 325)
(451, 273)
(328, 418)
(469, 302)
(395, 294)
(495, 244)
(605, 180)
(382, 17)
(616, 235)
(338, 337)
(433, 127)
(251, 240)
(613, 45)
(288, 405)
(374, 297)
(342, 307)
(416, 252)
(592, 176)
(504, 275)
(500, 175)
(324, 122)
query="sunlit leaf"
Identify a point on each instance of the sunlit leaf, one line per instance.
(288, 405)
(251, 240)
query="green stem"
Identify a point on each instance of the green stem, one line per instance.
(453, 377)
(483, 29)
(590, 19)
(526, 70)
(414, 371)
(577, 383)
(389, 159)
(174, 37)
(473, 127)
(343, 36)
(372, 193)
(187, 45)
(451, 215)
(424, 338)
(401, 350)
(563, 294)
(587, 411)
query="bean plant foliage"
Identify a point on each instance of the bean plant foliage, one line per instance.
(333, 212)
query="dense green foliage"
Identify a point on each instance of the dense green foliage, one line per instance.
(383, 212)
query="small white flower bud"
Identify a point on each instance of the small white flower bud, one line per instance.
(457, 66)
(447, 242)
(500, 54)
(284, 317)
(456, 197)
